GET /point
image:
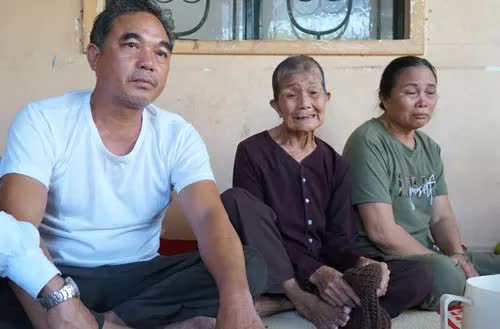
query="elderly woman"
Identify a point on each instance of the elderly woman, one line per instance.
(298, 212)
(399, 186)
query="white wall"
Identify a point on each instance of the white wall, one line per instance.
(226, 97)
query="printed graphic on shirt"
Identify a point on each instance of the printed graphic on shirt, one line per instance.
(411, 187)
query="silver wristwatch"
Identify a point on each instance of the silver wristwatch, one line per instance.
(68, 291)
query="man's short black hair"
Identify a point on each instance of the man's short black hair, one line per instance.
(103, 23)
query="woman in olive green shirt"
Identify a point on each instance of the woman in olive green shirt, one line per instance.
(399, 186)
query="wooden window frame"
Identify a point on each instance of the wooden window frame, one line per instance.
(412, 46)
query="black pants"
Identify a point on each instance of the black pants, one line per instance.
(410, 281)
(148, 294)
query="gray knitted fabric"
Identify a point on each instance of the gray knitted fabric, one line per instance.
(370, 315)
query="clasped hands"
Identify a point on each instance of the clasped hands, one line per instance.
(337, 292)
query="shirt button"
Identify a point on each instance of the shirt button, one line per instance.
(310, 240)
(309, 222)
(303, 180)
(307, 200)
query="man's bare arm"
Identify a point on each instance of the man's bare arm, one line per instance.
(222, 253)
(23, 197)
(26, 198)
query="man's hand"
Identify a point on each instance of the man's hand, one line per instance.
(384, 283)
(333, 289)
(465, 265)
(238, 313)
(71, 314)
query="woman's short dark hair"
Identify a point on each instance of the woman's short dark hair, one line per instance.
(394, 69)
(295, 64)
(115, 8)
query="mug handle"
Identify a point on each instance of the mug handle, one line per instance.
(445, 301)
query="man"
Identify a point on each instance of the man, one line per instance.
(94, 171)
(19, 255)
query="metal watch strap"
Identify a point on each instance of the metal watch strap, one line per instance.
(68, 291)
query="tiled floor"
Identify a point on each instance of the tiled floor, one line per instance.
(408, 320)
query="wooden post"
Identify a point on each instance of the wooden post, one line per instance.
(90, 10)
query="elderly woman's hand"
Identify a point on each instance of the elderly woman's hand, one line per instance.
(384, 283)
(333, 288)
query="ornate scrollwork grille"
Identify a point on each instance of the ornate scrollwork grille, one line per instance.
(319, 34)
(200, 24)
(305, 18)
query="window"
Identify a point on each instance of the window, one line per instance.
(346, 27)
(287, 19)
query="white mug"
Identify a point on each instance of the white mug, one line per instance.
(481, 303)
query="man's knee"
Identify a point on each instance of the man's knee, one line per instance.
(256, 271)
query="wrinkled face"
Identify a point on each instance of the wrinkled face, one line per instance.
(132, 65)
(412, 99)
(301, 101)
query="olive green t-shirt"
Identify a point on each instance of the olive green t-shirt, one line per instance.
(385, 170)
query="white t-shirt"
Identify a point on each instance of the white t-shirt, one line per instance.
(102, 209)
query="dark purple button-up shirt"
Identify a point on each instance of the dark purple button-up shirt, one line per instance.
(311, 199)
